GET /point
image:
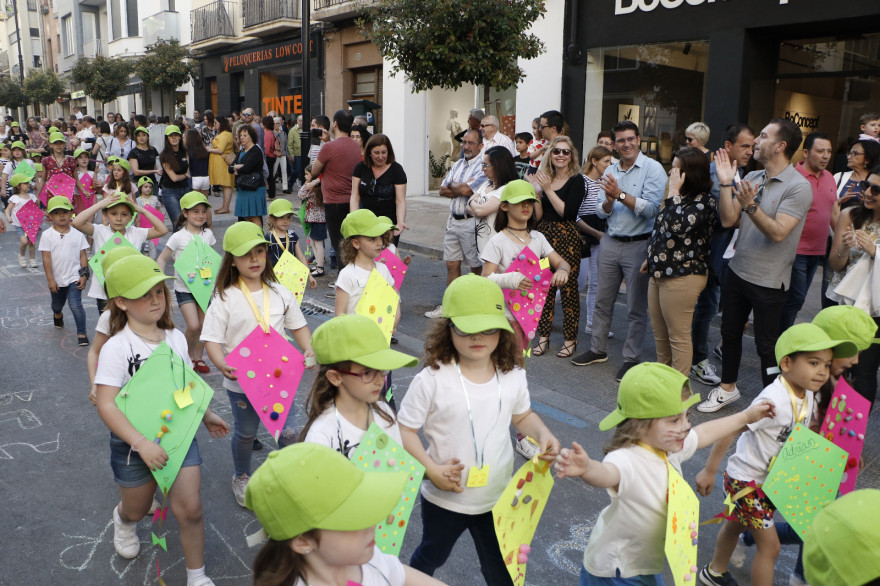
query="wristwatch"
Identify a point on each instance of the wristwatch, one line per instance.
(622, 196)
(751, 209)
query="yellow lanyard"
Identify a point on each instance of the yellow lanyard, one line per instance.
(659, 453)
(798, 417)
(286, 240)
(262, 320)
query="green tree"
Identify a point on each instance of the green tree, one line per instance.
(42, 87)
(11, 94)
(102, 78)
(166, 67)
(446, 43)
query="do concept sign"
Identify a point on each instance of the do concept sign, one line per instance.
(628, 6)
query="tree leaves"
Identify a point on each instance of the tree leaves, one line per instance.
(167, 66)
(43, 87)
(103, 78)
(11, 94)
(446, 43)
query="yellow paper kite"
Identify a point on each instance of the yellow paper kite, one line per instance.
(682, 520)
(379, 303)
(292, 274)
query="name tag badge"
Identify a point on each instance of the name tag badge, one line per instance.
(478, 477)
(544, 263)
(205, 272)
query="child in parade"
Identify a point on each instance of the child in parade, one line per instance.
(21, 195)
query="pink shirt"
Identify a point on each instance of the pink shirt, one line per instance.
(339, 158)
(817, 225)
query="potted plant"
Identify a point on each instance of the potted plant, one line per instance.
(437, 169)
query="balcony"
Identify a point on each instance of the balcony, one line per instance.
(4, 62)
(333, 10)
(211, 25)
(95, 47)
(269, 17)
(163, 25)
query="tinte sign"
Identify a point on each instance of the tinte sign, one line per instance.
(628, 6)
(264, 56)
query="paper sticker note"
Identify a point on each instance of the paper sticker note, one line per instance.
(517, 513)
(379, 303)
(805, 477)
(183, 396)
(682, 522)
(118, 239)
(292, 274)
(526, 306)
(845, 425)
(30, 216)
(196, 257)
(144, 222)
(269, 370)
(379, 453)
(147, 400)
(395, 265)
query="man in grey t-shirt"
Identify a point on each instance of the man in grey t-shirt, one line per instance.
(770, 207)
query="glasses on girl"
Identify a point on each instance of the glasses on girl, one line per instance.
(462, 334)
(367, 376)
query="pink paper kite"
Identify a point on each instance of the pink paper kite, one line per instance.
(59, 185)
(527, 306)
(143, 222)
(845, 425)
(30, 216)
(269, 370)
(395, 265)
(87, 197)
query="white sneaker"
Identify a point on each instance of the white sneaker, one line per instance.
(795, 580)
(435, 313)
(526, 449)
(201, 581)
(738, 557)
(332, 285)
(718, 398)
(22, 262)
(705, 372)
(239, 486)
(125, 538)
(32, 263)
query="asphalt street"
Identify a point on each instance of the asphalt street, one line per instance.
(58, 490)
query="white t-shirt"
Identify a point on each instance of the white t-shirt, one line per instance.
(382, 570)
(502, 251)
(352, 279)
(230, 320)
(123, 354)
(137, 237)
(436, 403)
(180, 240)
(764, 439)
(65, 252)
(19, 202)
(630, 533)
(103, 325)
(344, 436)
(486, 225)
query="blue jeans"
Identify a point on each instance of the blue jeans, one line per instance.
(704, 311)
(244, 430)
(171, 200)
(802, 272)
(587, 579)
(73, 297)
(441, 528)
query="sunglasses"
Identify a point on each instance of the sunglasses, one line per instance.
(462, 334)
(557, 151)
(868, 187)
(688, 138)
(367, 376)
(485, 165)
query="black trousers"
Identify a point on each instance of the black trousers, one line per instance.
(335, 213)
(865, 372)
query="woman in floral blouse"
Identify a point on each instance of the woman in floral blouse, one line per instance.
(678, 253)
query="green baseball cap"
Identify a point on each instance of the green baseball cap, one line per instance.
(53, 129)
(648, 391)
(56, 137)
(311, 486)
(475, 304)
(241, 237)
(117, 253)
(19, 145)
(518, 191)
(35, 155)
(19, 179)
(122, 199)
(363, 223)
(133, 277)
(192, 199)
(141, 129)
(841, 546)
(122, 163)
(79, 152)
(387, 220)
(847, 322)
(356, 338)
(143, 180)
(59, 202)
(172, 129)
(280, 208)
(810, 338)
(14, 123)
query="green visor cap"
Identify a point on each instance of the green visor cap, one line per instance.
(171, 129)
(280, 208)
(648, 391)
(241, 237)
(14, 123)
(18, 145)
(363, 223)
(53, 129)
(141, 129)
(518, 191)
(123, 163)
(122, 199)
(56, 137)
(475, 304)
(847, 322)
(116, 254)
(357, 339)
(143, 180)
(133, 277)
(18, 179)
(311, 486)
(387, 220)
(79, 152)
(811, 338)
(192, 199)
(59, 202)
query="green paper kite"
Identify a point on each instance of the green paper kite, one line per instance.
(165, 401)
(378, 453)
(26, 169)
(804, 477)
(118, 239)
(292, 274)
(198, 265)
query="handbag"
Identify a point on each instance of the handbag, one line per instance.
(596, 223)
(249, 182)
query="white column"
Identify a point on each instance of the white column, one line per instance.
(593, 97)
(541, 90)
(404, 121)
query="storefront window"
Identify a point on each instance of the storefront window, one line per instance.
(280, 91)
(659, 87)
(502, 104)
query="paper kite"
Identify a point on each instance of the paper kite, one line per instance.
(88, 196)
(379, 303)
(269, 370)
(26, 169)
(165, 401)
(395, 265)
(517, 513)
(30, 216)
(682, 521)
(526, 306)
(144, 222)
(378, 453)
(198, 265)
(845, 425)
(61, 185)
(292, 274)
(804, 477)
(118, 239)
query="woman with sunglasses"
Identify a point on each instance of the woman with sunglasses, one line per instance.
(696, 136)
(858, 233)
(563, 190)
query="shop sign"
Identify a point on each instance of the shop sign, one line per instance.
(283, 104)
(264, 56)
(808, 122)
(77, 95)
(628, 6)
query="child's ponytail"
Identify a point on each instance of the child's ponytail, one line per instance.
(278, 565)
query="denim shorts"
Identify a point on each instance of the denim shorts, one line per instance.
(318, 232)
(20, 231)
(184, 297)
(133, 473)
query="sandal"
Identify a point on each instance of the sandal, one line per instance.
(568, 349)
(318, 272)
(200, 367)
(541, 348)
